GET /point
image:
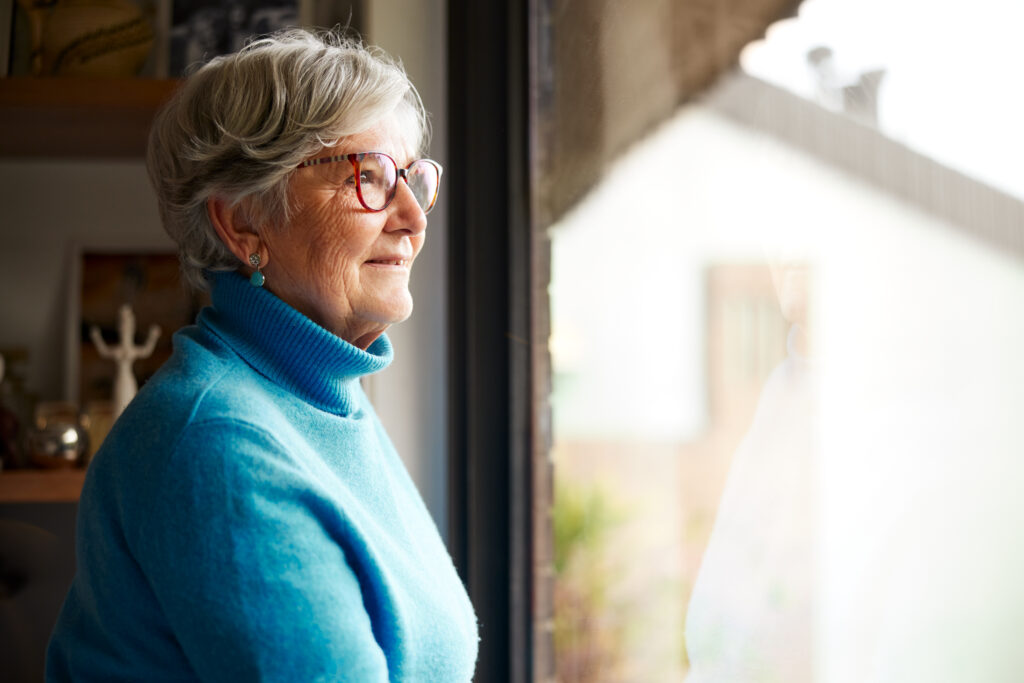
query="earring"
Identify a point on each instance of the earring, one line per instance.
(257, 278)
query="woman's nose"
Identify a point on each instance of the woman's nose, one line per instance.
(405, 212)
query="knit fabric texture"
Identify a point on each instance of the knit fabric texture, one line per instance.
(247, 519)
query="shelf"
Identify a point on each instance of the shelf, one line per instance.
(78, 117)
(41, 486)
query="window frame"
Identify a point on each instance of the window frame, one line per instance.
(498, 386)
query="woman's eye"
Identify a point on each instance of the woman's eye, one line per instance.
(368, 178)
(333, 174)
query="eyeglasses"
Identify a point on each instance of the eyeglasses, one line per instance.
(375, 176)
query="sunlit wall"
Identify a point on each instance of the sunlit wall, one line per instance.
(869, 522)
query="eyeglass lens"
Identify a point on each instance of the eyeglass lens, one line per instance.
(423, 180)
(378, 176)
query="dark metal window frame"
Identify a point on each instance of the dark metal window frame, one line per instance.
(491, 411)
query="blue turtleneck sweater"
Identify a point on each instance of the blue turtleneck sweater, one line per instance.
(248, 519)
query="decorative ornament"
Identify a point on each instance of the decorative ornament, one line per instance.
(257, 279)
(124, 354)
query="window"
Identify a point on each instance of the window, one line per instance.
(784, 325)
(832, 503)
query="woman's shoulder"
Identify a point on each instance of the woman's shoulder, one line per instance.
(203, 379)
(201, 388)
(201, 429)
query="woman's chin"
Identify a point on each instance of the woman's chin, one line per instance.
(394, 309)
(403, 315)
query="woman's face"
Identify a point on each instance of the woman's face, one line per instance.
(343, 266)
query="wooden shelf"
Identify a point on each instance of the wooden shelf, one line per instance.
(41, 486)
(78, 117)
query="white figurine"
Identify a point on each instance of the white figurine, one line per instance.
(124, 354)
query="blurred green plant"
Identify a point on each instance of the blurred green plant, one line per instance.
(589, 633)
(583, 517)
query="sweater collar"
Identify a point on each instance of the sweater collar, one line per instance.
(288, 348)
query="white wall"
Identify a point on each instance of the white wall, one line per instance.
(916, 379)
(411, 396)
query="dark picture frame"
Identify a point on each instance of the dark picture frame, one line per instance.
(199, 30)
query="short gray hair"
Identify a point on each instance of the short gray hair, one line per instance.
(241, 123)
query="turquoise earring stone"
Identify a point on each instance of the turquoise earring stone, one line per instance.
(257, 279)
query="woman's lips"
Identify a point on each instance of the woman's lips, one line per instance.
(388, 262)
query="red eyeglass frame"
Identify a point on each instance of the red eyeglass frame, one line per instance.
(401, 173)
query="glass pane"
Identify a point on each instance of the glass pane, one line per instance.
(786, 377)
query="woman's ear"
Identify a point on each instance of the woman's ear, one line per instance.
(234, 229)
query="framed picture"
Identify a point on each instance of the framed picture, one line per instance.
(147, 38)
(201, 29)
(80, 38)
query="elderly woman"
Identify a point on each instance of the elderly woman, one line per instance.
(247, 518)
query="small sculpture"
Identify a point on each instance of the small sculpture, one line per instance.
(124, 354)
